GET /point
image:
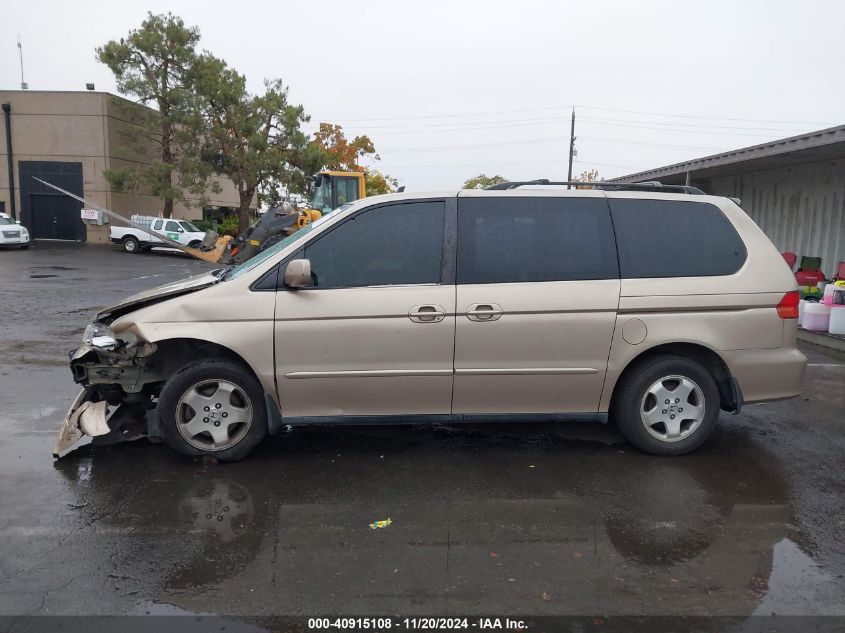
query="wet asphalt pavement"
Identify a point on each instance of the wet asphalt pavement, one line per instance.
(506, 519)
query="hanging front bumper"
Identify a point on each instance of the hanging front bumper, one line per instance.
(85, 417)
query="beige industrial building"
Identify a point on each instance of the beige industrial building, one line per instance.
(71, 139)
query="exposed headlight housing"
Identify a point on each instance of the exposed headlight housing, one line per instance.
(99, 336)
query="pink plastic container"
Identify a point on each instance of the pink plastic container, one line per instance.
(816, 317)
(836, 325)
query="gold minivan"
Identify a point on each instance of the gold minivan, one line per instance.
(653, 309)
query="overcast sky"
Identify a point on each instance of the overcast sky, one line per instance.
(447, 90)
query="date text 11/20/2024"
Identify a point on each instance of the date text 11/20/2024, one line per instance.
(422, 624)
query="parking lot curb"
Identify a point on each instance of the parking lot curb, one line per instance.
(822, 339)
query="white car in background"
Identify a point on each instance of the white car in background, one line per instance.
(12, 232)
(135, 240)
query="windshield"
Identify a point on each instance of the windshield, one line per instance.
(263, 256)
(189, 227)
(322, 200)
(7, 220)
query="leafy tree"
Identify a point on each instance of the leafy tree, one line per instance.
(255, 140)
(338, 153)
(482, 181)
(151, 64)
(379, 183)
(331, 150)
(590, 175)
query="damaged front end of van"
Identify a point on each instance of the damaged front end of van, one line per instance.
(120, 373)
(115, 371)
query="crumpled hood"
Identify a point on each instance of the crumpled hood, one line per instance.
(159, 293)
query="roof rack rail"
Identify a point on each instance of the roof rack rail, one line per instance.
(651, 185)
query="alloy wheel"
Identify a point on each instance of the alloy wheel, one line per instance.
(214, 415)
(672, 408)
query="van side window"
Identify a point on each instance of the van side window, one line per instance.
(395, 244)
(157, 225)
(172, 226)
(674, 238)
(513, 239)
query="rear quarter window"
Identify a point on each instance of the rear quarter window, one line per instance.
(674, 238)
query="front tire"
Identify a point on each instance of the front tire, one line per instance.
(131, 245)
(667, 405)
(213, 407)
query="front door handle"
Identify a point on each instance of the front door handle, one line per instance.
(484, 312)
(427, 314)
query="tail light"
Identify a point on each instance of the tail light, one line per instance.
(788, 306)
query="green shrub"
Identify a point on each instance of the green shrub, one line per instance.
(228, 225)
(205, 225)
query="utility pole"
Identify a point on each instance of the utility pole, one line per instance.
(24, 85)
(571, 149)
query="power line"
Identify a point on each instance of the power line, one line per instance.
(616, 141)
(481, 164)
(548, 139)
(590, 163)
(634, 124)
(428, 126)
(426, 117)
(495, 124)
(436, 148)
(637, 126)
(695, 125)
(456, 115)
(700, 116)
(476, 127)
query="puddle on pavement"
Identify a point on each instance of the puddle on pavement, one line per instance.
(797, 586)
(711, 532)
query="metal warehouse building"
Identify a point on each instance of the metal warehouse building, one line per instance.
(794, 188)
(71, 139)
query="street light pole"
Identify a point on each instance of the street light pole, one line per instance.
(571, 149)
(24, 85)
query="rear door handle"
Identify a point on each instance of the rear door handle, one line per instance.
(484, 312)
(427, 314)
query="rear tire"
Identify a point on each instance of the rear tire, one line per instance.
(666, 405)
(213, 407)
(131, 245)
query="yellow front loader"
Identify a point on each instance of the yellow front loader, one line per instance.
(331, 189)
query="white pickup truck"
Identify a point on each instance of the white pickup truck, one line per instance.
(135, 240)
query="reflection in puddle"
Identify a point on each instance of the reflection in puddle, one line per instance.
(220, 506)
(479, 522)
(797, 586)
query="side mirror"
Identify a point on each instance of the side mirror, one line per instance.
(298, 274)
